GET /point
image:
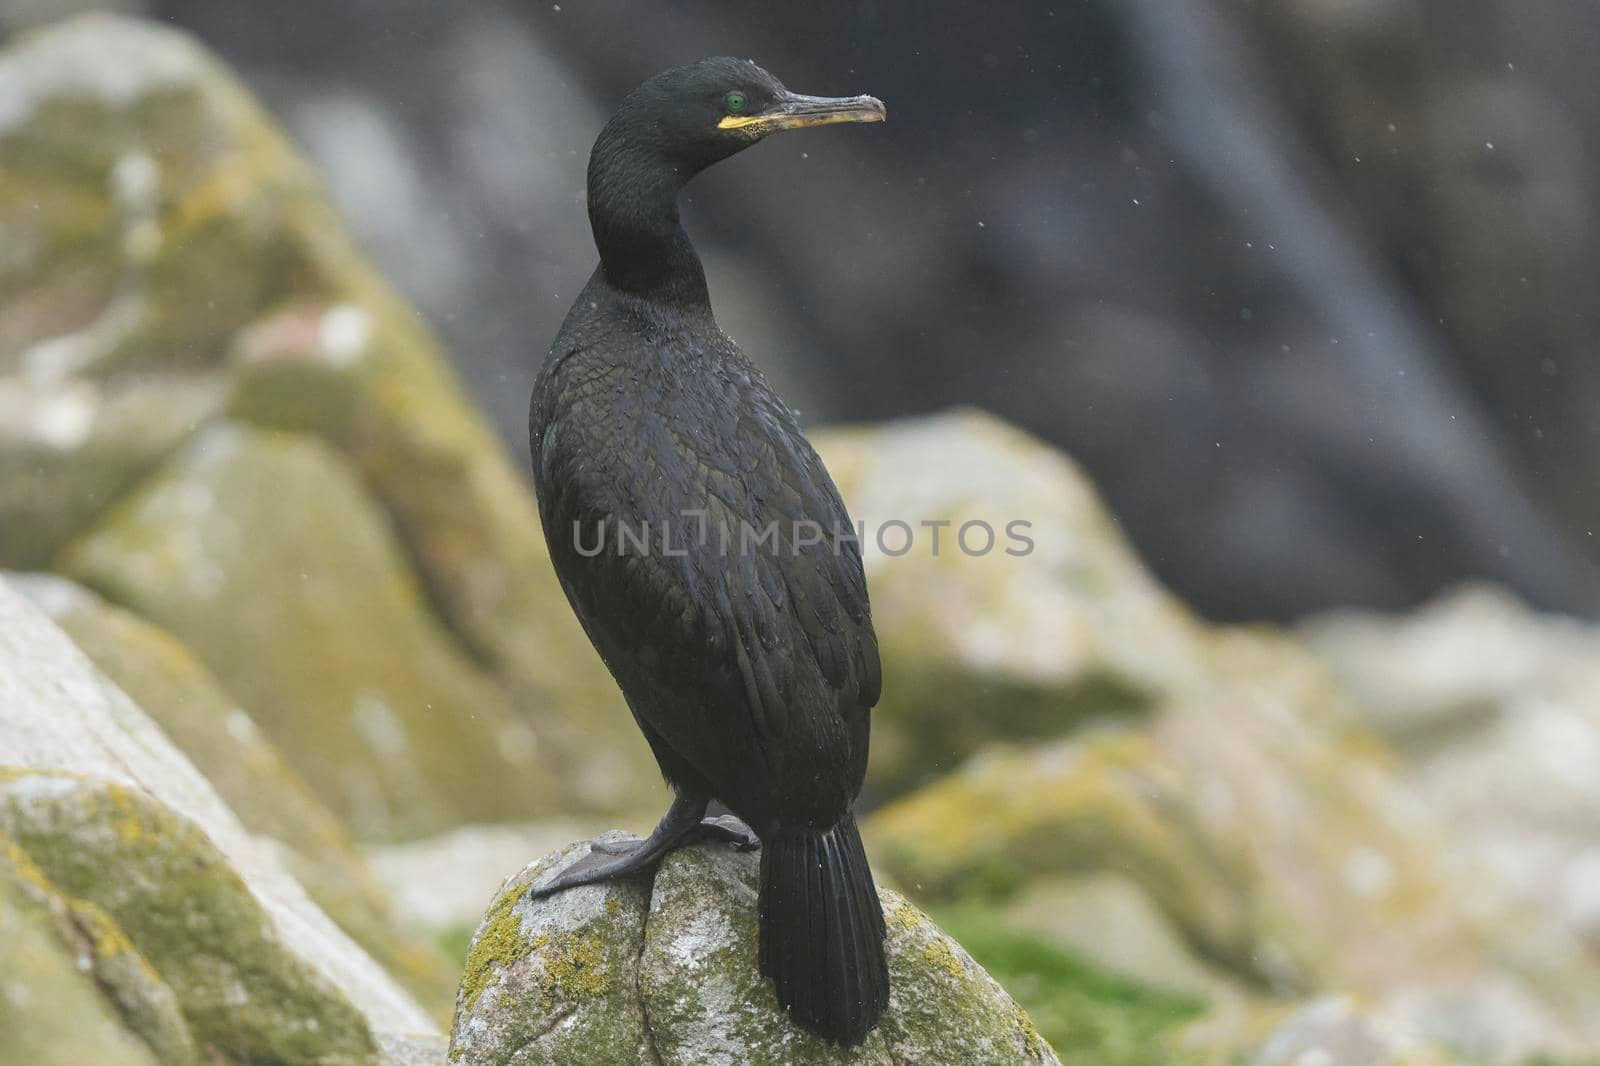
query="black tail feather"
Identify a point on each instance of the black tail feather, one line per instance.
(822, 931)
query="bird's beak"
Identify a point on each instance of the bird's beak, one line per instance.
(791, 111)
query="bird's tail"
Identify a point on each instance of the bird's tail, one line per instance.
(822, 931)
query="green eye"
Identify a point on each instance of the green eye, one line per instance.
(734, 102)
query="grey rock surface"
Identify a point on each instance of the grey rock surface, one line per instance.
(665, 973)
(59, 716)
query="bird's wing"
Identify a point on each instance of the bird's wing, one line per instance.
(759, 607)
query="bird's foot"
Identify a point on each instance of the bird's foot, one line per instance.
(727, 829)
(605, 862)
(723, 829)
(684, 820)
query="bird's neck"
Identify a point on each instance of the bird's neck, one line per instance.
(633, 210)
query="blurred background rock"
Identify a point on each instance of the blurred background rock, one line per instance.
(1273, 309)
(1306, 285)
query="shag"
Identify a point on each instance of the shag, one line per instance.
(706, 551)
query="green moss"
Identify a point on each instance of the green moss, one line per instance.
(142, 1001)
(565, 991)
(1110, 800)
(576, 965)
(174, 898)
(66, 1020)
(496, 945)
(271, 799)
(1086, 1014)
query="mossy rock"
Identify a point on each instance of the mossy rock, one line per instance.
(167, 892)
(1108, 801)
(363, 375)
(980, 644)
(666, 973)
(1272, 832)
(271, 799)
(1356, 886)
(150, 209)
(68, 451)
(554, 981)
(267, 558)
(1088, 1013)
(66, 726)
(155, 221)
(72, 990)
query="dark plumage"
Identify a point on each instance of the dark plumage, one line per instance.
(750, 665)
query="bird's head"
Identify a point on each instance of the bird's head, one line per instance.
(697, 114)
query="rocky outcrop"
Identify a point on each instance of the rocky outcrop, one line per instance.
(272, 801)
(327, 640)
(184, 326)
(107, 823)
(1495, 711)
(1007, 604)
(665, 973)
(1273, 833)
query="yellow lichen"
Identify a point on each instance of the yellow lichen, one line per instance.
(26, 868)
(107, 937)
(1031, 1038)
(905, 917)
(939, 953)
(495, 946)
(576, 965)
(125, 815)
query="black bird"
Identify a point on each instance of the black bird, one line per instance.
(706, 551)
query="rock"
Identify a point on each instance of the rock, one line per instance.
(1109, 919)
(1331, 1032)
(1273, 832)
(164, 254)
(115, 816)
(69, 450)
(268, 559)
(271, 799)
(140, 179)
(621, 973)
(439, 883)
(981, 644)
(1497, 712)
(367, 379)
(164, 888)
(51, 1011)
(1105, 802)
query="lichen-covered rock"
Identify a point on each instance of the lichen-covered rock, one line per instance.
(173, 896)
(1496, 712)
(268, 559)
(666, 973)
(115, 816)
(271, 799)
(140, 178)
(557, 980)
(69, 450)
(1108, 919)
(52, 1012)
(161, 244)
(364, 376)
(992, 631)
(439, 883)
(1272, 831)
(1332, 1032)
(1109, 801)
(1357, 880)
